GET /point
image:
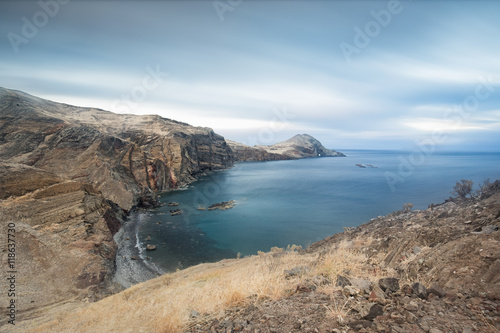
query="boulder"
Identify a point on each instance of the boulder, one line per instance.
(407, 289)
(296, 271)
(437, 290)
(370, 311)
(389, 284)
(342, 281)
(420, 290)
(486, 230)
(364, 286)
(377, 294)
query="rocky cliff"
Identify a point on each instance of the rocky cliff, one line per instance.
(126, 157)
(297, 147)
(69, 174)
(243, 152)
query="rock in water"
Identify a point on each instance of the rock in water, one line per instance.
(150, 247)
(223, 205)
(175, 212)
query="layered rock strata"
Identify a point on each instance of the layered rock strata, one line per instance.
(68, 176)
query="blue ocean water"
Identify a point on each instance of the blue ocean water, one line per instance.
(299, 202)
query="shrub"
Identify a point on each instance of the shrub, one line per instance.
(483, 188)
(407, 207)
(463, 188)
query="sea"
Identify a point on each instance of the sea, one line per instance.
(297, 202)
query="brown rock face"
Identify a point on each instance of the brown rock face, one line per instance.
(67, 174)
(64, 242)
(126, 157)
(246, 153)
(298, 147)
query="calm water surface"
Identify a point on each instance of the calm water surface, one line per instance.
(298, 202)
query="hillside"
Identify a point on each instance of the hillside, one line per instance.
(68, 177)
(297, 147)
(410, 271)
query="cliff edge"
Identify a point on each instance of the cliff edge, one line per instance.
(298, 147)
(68, 177)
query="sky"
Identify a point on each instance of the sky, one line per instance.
(354, 74)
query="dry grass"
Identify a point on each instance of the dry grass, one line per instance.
(164, 304)
(338, 310)
(346, 259)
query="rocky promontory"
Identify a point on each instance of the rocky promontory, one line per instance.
(298, 147)
(68, 177)
(126, 157)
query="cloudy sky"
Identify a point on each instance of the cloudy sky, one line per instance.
(354, 74)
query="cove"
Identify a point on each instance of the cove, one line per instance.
(294, 202)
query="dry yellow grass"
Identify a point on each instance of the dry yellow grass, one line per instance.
(164, 304)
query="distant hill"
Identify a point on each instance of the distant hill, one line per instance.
(297, 147)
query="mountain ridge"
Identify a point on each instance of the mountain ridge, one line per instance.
(297, 147)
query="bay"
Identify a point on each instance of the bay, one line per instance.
(298, 202)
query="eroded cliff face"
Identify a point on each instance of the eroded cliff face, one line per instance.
(126, 157)
(68, 175)
(64, 243)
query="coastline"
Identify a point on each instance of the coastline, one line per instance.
(129, 271)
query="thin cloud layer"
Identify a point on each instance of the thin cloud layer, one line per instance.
(355, 74)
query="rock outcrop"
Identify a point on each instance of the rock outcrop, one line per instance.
(444, 242)
(246, 153)
(64, 242)
(126, 157)
(223, 205)
(68, 176)
(298, 147)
